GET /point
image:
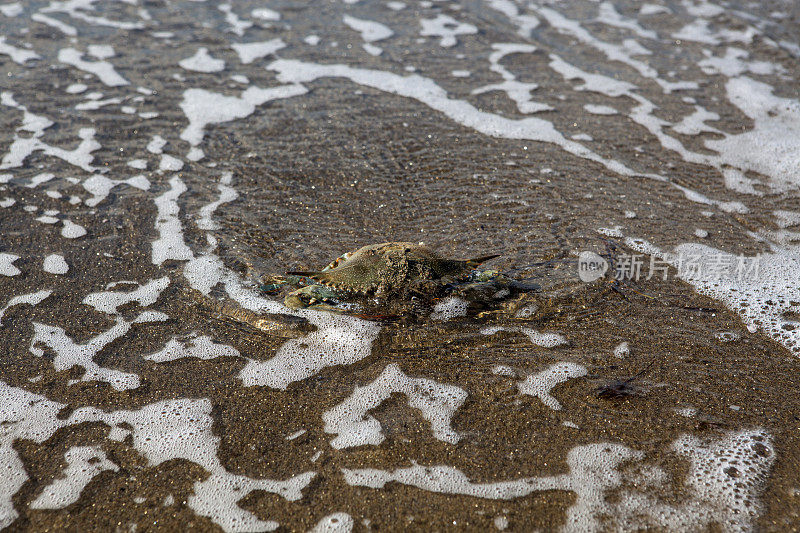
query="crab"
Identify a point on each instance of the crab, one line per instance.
(396, 271)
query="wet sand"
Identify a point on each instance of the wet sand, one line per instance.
(353, 159)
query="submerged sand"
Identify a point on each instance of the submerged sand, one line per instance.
(158, 153)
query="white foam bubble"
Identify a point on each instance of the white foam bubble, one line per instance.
(518, 91)
(46, 219)
(101, 51)
(600, 109)
(11, 10)
(238, 26)
(169, 163)
(607, 14)
(264, 13)
(197, 346)
(110, 301)
(622, 350)
(545, 340)
(17, 55)
(22, 147)
(354, 427)
(226, 194)
(613, 51)
(725, 479)
(170, 243)
(55, 264)
(370, 31)
(699, 30)
(334, 523)
(72, 230)
(503, 370)
(447, 28)
(163, 431)
(33, 298)
(156, 144)
(81, 9)
(338, 340)
(429, 93)
(195, 153)
(204, 272)
(695, 123)
(100, 186)
(772, 147)
(83, 464)
(734, 63)
(726, 476)
(24, 416)
(450, 307)
(249, 52)
(102, 69)
(203, 107)
(69, 353)
(7, 267)
(743, 284)
(449, 480)
(42, 177)
(787, 219)
(702, 8)
(541, 383)
(525, 23)
(202, 61)
(66, 29)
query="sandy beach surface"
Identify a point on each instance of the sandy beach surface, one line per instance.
(158, 157)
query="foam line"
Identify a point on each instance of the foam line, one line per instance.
(109, 301)
(7, 267)
(249, 52)
(518, 91)
(69, 353)
(724, 482)
(226, 194)
(429, 93)
(203, 107)
(32, 298)
(447, 28)
(197, 346)
(163, 431)
(102, 69)
(354, 427)
(170, 243)
(83, 464)
(17, 55)
(525, 23)
(542, 383)
(743, 284)
(338, 340)
(202, 61)
(334, 523)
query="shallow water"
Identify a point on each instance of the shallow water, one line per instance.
(158, 153)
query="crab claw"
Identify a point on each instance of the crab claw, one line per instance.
(312, 296)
